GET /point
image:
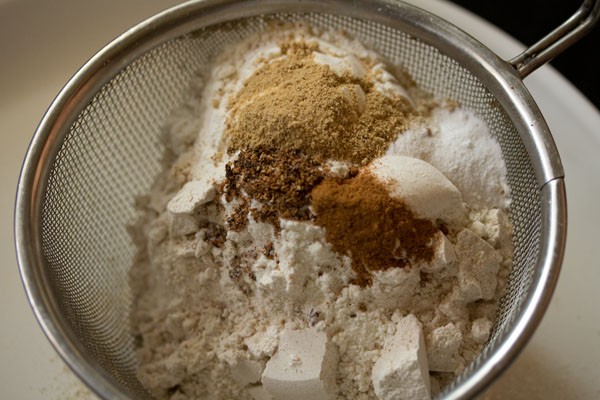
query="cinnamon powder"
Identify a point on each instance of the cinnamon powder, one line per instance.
(377, 231)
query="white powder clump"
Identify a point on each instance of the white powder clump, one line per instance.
(421, 186)
(303, 367)
(402, 371)
(271, 309)
(443, 344)
(460, 146)
(481, 329)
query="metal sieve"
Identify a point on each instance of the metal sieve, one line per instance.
(99, 146)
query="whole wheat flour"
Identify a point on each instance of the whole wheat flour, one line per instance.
(323, 230)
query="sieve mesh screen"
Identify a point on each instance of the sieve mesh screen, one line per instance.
(113, 151)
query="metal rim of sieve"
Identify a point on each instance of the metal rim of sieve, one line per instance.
(502, 78)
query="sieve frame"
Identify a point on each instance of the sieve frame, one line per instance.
(497, 75)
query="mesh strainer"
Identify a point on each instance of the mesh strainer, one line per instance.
(99, 146)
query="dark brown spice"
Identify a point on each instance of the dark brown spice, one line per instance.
(377, 231)
(269, 251)
(266, 215)
(282, 180)
(216, 235)
(238, 219)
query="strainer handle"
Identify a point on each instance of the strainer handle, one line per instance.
(559, 39)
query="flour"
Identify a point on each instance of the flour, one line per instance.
(222, 313)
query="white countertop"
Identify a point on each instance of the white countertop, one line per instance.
(42, 43)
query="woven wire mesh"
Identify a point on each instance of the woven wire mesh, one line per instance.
(113, 151)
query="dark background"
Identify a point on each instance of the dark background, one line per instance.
(530, 20)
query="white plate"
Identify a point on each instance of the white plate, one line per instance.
(42, 44)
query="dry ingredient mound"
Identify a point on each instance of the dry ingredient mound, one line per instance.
(295, 103)
(275, 251)
(377, 231)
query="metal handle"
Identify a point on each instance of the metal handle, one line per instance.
(559, 39)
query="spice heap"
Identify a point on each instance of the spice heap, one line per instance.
(296, 103)
(327, 236)
(281, 180)
(379, 232)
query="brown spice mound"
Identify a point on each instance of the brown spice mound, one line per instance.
(295, 103)
(377, 231)
(281, 180)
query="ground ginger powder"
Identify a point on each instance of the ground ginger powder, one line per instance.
(296, 103)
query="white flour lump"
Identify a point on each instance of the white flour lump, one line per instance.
(402, 371)
(303, 367)
(323, 229)
(421, 186)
